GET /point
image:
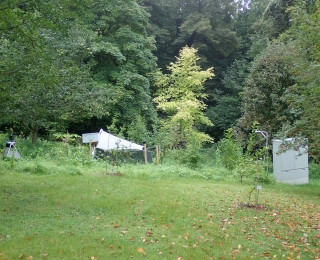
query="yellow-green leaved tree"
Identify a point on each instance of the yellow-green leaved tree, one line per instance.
(180, 97)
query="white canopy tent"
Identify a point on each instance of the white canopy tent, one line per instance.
(109, 142)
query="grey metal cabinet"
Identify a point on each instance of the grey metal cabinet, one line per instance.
(290, 166)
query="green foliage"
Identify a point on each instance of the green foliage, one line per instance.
(180, 98)
(253, 164)
(209, 27)
(244, 169)
(230, 151)
(281, 92)
(81, 61)
(62, 153)
(115, 158)
(303, 96)
(123, 58)
(85, 62)
(249, 169)
(191, 155)
(50, 81)
(249, 13)
(314, 171)
(269, 78)
(67, 138)
(137, 131)
(205, 25)
(227, 109)
(275, 19)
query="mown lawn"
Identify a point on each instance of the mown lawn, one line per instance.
(99, 216)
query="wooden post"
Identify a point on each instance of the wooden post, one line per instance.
(158, 153)
(145, 154)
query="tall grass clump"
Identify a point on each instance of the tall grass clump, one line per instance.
(50, 157)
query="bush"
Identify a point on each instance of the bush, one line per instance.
(314, 171)
(248, 169)
(229, 151)
(191, 156)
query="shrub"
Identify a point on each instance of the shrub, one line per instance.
(248, 169)
(191, 155)
(229, 150)
(314, 171)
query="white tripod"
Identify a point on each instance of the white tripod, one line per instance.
(11, 151)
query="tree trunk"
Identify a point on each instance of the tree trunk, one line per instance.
(34, 135)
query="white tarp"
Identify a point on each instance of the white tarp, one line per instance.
(90, 138)
(110, 142)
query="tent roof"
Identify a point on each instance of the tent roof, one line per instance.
(108, 141)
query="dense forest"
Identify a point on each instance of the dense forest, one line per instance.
(159, 71)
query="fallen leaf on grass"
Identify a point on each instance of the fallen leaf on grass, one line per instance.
(141, 250)
(44, 255)
(144, 240)
(20, 256)
(30, 257)
(116, 225)
(234, 254)
(149, 233)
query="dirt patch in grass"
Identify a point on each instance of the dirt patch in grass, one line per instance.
(253, 206)
(114, 174)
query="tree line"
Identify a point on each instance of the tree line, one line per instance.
(122, 65)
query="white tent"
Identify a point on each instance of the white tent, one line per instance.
(108, 142)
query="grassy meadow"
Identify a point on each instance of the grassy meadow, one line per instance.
(72, 208)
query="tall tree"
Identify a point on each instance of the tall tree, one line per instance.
(75, 58)
(249, 13)
(44, 80)
(282, 89)
(275, 19)
(227, 106)
(268, 80)
(205, 25)
(47, 85)
(304, 96)
(180, 97)
(123, 58)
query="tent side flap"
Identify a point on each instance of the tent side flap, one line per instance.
(108, 141)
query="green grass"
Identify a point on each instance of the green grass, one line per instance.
(150, 212)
